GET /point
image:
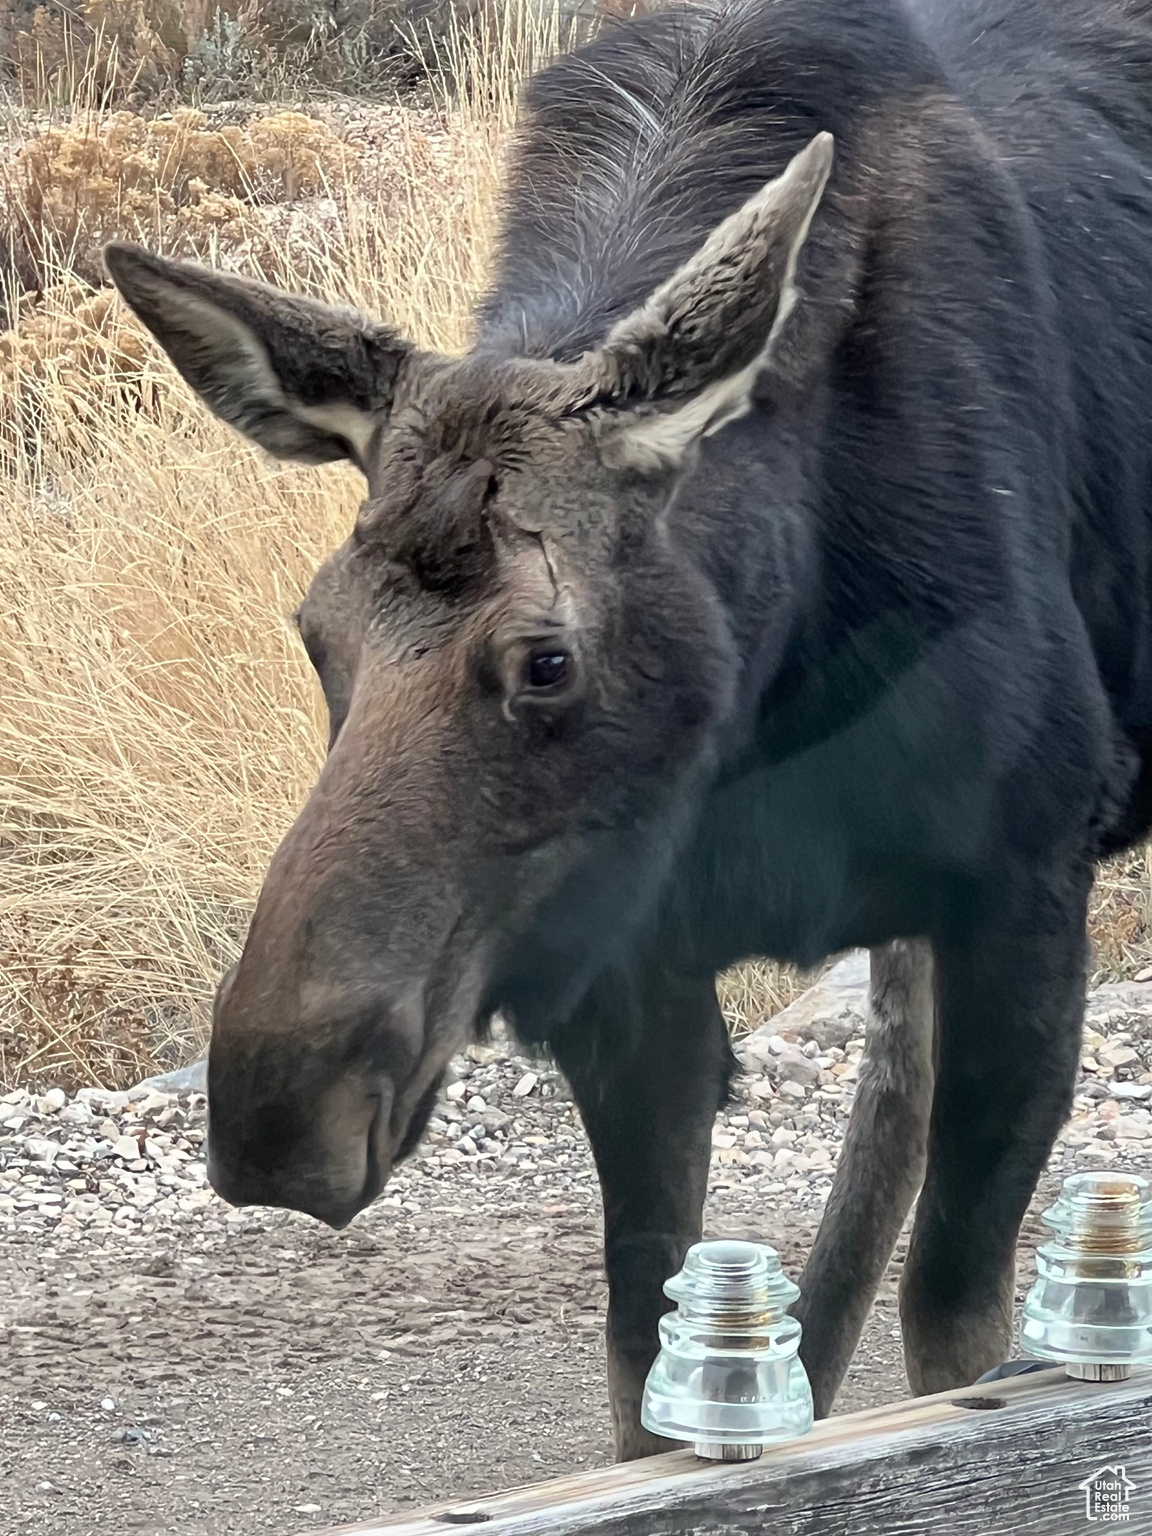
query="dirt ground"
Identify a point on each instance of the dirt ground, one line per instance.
(297, 1379)
(172, 1367)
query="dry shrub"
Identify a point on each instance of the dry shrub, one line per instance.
(161, 726)
(176, 183)
(1121, 917)
(134, 51)
(101, 50)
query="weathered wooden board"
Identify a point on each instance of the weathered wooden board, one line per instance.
(1000, 1460)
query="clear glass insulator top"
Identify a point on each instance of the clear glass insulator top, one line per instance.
(1092, 1301)
(727, 1377)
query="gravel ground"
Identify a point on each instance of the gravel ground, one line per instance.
(177, 1368)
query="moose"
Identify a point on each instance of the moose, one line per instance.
(772, 576)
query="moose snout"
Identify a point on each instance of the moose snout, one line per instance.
(327, 1156)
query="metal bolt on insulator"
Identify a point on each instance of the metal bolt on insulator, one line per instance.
(1091, 1306)
(727, 1377)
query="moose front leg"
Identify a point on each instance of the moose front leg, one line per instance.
(880, 1167)
(1011, 1000)
(648, 1108)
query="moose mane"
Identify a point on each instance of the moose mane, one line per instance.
(634, 149)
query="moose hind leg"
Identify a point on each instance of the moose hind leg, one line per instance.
(648, 1108)
(1010, 1004)
(880, 1167)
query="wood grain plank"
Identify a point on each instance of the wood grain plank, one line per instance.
(926, 1464)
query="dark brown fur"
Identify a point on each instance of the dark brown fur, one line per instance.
(774, 575)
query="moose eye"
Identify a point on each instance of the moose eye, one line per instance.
(548, 669)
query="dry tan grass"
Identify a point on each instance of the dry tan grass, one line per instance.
(160, 724)
(127, 52)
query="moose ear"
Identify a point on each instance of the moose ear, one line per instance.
(691, 353)
(302, 379)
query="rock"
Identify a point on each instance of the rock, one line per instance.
(1132, 1091)
(190, 1079)
(1116, 1056)
(792, 1065)
(722, 1139)
(476, 1105)
(154, 1104)
(1120, 997)
(52, 1102)
(792, 1090)
(40, 1148)
(103, 1100)
(525, 1086)
(829, 1012)
(455, 1092)
(126, 1147)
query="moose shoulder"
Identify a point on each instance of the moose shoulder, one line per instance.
(773, 575)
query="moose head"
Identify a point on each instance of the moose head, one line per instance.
(526, 667)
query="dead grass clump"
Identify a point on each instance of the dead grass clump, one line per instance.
(751, 993)
(66, 1029)
(1121, 917)
(68, 335)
